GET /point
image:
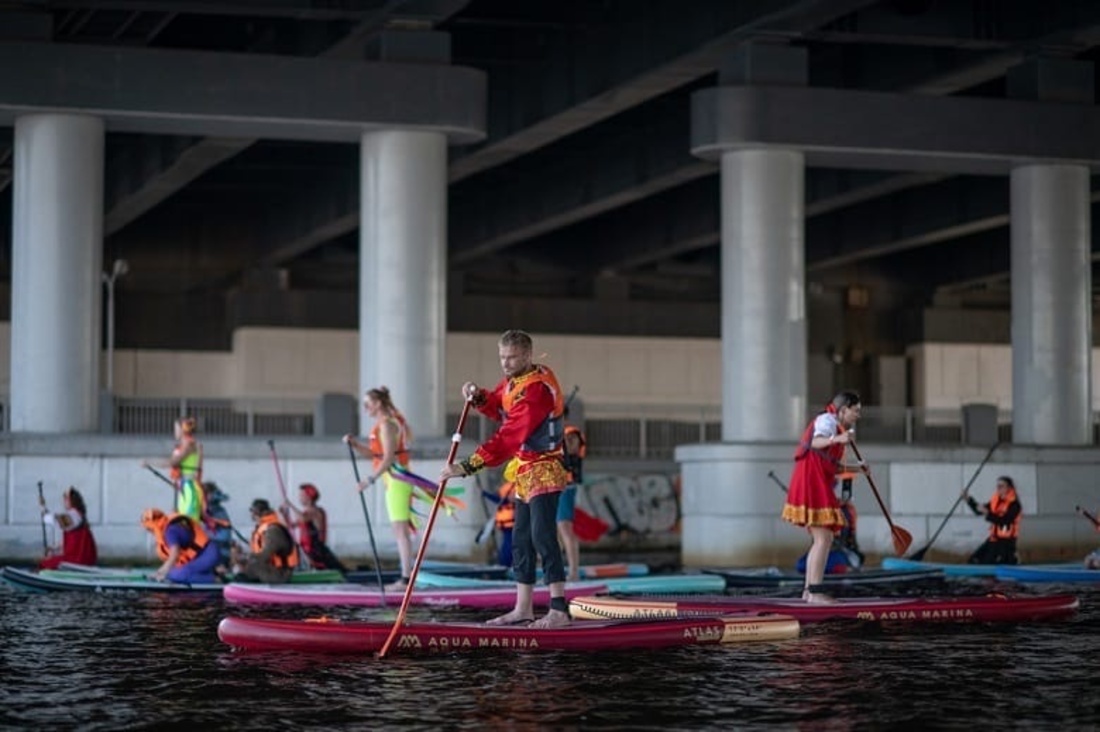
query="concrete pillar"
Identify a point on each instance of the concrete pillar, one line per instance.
(763, 298)
(402, 275)
(1051, 305)
(57, 254)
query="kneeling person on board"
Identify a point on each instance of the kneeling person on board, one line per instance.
(1003, 514)
(274, 555)
(188, 554)
(77, 543)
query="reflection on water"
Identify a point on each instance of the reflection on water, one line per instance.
(88, 661)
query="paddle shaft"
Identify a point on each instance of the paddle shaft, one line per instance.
(278, 472)
(302, 556)
(366, 517)
(901, 536)
(1095, 521)
(919, 554)
(42, 503)
(455, 440)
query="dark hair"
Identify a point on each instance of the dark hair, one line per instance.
(1006, 479)
(846, 399)
(260, 506)
(77, 500)
(517, 338)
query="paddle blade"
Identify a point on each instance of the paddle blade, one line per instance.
(902, 540)
(588, 527)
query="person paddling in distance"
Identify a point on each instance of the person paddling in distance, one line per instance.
(811, 500)
(529, 404)
(188, 554)
(574, 447)
(311, 523)
(388, 446)
(77, 542)
(1003, 514)
(273, 556)
(185, 463)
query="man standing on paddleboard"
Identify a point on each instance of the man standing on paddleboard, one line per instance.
(528, 402)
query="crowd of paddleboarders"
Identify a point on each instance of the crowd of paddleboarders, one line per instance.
(195, 540)
(542, 461)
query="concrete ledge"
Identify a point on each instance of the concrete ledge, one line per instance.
(840, 128)
(240, 95)
(731, 508)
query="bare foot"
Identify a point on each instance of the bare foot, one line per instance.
(513, 618)
(552, 619)
(397, 586)
(818, 598)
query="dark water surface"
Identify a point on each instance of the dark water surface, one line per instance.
(114, 661)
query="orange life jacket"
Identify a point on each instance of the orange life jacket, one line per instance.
(269, 522)
(998, 506)
(400, 450)
(199, 538)
(547, 436)
(506, 510)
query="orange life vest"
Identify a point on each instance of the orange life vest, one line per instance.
(506, 510)
(547, 436)
(400, 450)
(998, 506)
(187, 553)
(267, 523)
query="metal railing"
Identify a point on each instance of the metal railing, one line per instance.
(612, 431)
(260, 416)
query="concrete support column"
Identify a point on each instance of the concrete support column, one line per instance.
(402, 275)
(763, 299)
(1051, 305)
(57, 254)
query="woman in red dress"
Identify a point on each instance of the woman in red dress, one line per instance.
(77, 543)
(811, 499)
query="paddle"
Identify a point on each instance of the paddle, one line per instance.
(42, 503)
(1095, 521)
(455, 440)
(172, 483)
(854, 559)
(366, 517)
(919, 554)
(302, 556)
(902, 538)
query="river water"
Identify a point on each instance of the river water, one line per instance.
(115, 661)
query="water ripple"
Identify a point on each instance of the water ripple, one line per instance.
(116, 661)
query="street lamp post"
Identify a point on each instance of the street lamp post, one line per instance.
(119, 268)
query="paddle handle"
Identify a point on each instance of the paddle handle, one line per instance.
(455, 440)
(42, 503)
(278, 471)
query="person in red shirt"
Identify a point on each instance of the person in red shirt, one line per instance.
(528, 402)
(77, 543)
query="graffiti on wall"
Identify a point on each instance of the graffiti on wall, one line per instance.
(633, 504)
